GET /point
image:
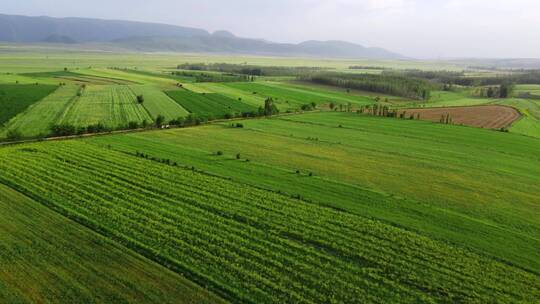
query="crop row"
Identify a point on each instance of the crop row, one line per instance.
(109, 105)
(209, 105)
(248, 244)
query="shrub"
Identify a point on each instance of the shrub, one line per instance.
(160, 119)
(63, 130)
(14, 135)
(133, 125)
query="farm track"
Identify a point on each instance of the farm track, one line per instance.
(248, 244)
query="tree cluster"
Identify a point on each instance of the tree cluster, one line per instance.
(386, 84)
(252, 70)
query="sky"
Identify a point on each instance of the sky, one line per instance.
(415, 28)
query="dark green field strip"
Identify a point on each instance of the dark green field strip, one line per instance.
(14, 99)
(76, 77)
(209, 105)
(253, 245)
(46, 258)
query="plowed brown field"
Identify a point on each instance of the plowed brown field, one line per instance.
(491, 117)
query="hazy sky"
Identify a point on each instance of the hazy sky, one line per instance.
(418, 28)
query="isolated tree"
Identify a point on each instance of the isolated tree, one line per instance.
(490, 92)
(269, 107)
(332, 105)
(160, 119)
(505, 90)
(140, 99)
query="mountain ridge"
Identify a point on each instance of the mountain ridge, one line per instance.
(156, 37)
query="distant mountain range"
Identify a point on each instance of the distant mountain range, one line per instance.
(154, 37)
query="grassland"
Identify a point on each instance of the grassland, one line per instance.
(478, 189)
(47, 258)
(248, 244)
(209, 104)
(14, 99)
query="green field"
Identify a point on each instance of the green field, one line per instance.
(157, 103)
(111, 105)
(14, 99)
(209, 104)
(291, 97)
(47, 258)
(382, 168)
(249, 244)
(312, 205)
(533, 89)
(38, 118)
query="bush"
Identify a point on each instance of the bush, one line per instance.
(97, 128)
(133, 125)
(140, 98)
(180, 121)
(219, 153)
(14, 135)
(160, 119)
(63, 130)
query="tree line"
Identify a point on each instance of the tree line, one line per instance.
(462, 79)
(252, 70)
(214, 77)
(386, 84)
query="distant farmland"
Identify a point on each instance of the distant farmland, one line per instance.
(491, 117)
